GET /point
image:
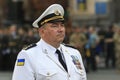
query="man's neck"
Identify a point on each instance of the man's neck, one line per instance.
(54, 44)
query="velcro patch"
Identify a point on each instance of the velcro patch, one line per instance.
(20, 62)
(76, 62)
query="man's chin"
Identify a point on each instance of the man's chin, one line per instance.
(60, 40)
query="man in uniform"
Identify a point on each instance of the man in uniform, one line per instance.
(78, 39)
(49, 59)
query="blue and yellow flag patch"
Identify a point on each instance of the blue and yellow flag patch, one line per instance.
(20, 62)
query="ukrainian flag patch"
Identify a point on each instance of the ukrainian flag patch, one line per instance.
(20, 62)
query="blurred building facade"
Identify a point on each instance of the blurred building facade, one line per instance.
(24, 11)
(92, 12)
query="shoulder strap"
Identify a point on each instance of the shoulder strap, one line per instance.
(69, 46)
(30, 46)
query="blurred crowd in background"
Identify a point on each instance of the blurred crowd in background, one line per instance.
(94, 41)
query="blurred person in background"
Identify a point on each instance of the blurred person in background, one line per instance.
(109, 45)
(29, 37)
(87, 60)
(117, 47)
(1, 36)
(78, 39)
(5, 52)
(48, 59)
(91, 45)
(13, 44)
(21, 37)
(101, 45)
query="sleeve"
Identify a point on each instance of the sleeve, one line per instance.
(23, 69)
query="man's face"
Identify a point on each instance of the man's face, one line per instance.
(54, 32)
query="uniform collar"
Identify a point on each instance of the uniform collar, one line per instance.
(47, 47)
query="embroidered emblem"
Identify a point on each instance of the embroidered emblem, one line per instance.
(20, 62)
(76, 62)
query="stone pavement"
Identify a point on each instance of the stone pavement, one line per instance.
(101, 74)
(104, 74)
(5, 75)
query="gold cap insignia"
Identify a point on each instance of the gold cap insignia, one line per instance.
(57, 12)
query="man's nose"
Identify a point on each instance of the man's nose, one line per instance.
(60, 28)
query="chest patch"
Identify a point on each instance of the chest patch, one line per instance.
(76, 62)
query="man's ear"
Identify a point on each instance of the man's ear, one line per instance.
(40, 30)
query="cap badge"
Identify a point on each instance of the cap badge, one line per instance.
(57, 12)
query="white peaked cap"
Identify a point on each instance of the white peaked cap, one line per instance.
(55, 11)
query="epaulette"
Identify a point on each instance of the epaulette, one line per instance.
(30, 46)
(70, 46)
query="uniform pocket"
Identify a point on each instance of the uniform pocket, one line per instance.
(47, 74)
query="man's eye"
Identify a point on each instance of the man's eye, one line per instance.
(62, 25)
(54, 25)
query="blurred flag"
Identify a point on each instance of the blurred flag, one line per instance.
(81, 5)
(101, 8)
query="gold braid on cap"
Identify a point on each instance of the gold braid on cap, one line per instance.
(55, 17)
